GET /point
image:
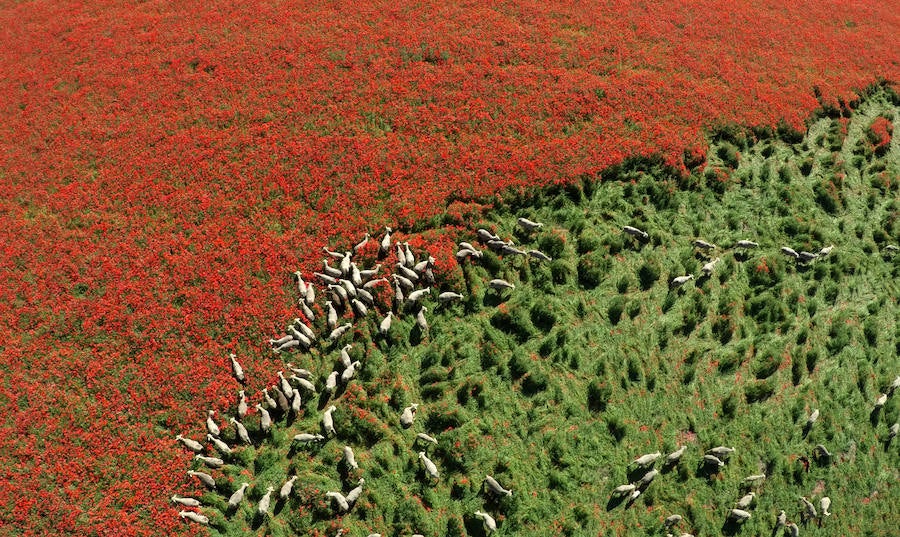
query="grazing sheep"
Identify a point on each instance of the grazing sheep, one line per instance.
(334, 272)
(282, 399)
(296, 402)
(265, 420)
(755, 478)
(462, 254)
(708, 268)
(345, 355)
(212, 462)
(241, 431)
(345, 263)
(348, 373)
(361, 244)
(781, 520)
(407, 273)
(287, 488)
(350, 458)
(270, 402)
(286, 387)
(410, 258)
(340, 500)
(331, 315)
(880, 402)
(210, 424)
(646, 460)
(790, 252)
(809, 510)
(806, 257)
(336, 255)
(204, 478)
(894, 385)
(242, 404)
(739, 515)
(429, 465)
(307, 438)
(403, 282)
(744, 243)
(529, 225)
(328, 421)
(305, 384)
(385, 325)
(408, 415)
(893, 430)
(712, 460)
(635, 232)
(675, 456)
(511, 250)
(263, 507)
(368, 274)
(745, 502)
(621, 490)
(499, 284)
(416, 295)
(192, 445)
(721, 451)
(238, 496)
(539, 255)
(355, 492)
(339, 331)
(289, 345)
(194, 517)
(421, 320)
(384, 248)
(326, 278)
(494, 486)
(647, 478)
(812, 418)
(236, 368)
(331, 382)
(792, 530)
(308, 313)
(449, 296)
(826, 250)
(680, 280)
(672, 520)
(425, 438)
(490, 525)
(703, 245)
(185, 501)
(824, 505)
(221, 446)
(485, 235)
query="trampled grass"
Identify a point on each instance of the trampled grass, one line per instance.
(593, 360)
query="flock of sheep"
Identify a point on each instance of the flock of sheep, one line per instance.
(353, 294)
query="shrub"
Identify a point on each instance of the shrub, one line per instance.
(590, 273)
(598, 394)
(616, 307)
(542, 317)
(552, 244)
(759, 391)
(647, 275)
(515, 325)
(534, 383)
(765, 365)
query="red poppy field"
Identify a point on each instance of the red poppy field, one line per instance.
(166, 166)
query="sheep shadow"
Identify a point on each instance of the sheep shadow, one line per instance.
(875, 416)
(731, 527)
(474, 527)
(706, 471)
(492, 299)
(416, 335)
(615, 500)
(638, 472)
(806, 430)
(257, 521)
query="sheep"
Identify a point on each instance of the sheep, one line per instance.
(790, 252)
(361, 244)
(242, 404)
(283, 404)
(429, 465)
(812, 418)
(326, 279)
(490, 525)
(403, 282)
(894, 385)
(241, 431)
(675, 456)
(345, 355)
(286, 387)
(194, 517)
(339, 331)
(401, 256)
(192, 445)
(368, 274)
(624, 489)
(355, 492)
(821, 452)
(310, 295)
(744, 243)
(286, 489)
(449, 296)
(809, 512)
(307, 438)
(646, 460)
(385, 325)
(880, 402)
(336, 255)
(305, 384)
(410, 258)
(485, 235)
(328, 421)
(349, 288)
(635, 232)
(425, 438)
(498, 245)
(750, 479)
(204, 478)
(708, 268)
(421, 320)
(340, 500)
(399, 300)
(539, 255)
(384, 248)
(781, 520)
(289, 345)
(892, 248)
(345, 264)
(340, 294)
(739, 515)
(407, 273)
(263, 507)
(416, 295)
(334, 272)
(308, 313)
(511, 250)
(494, 486)
(212, 462)
(672, 520)
(793, 530)
(299, 372)
(703, 245)
(680, 280)
(350, 458)
(221, 446)
(408, 415)
(281, 341)
(746, 500)
(296, 402)
(270, 402)
(806, 257)
(711, 460)
(331, 382)
(301, 285)
(528, 225)
(721, 451)
(236, 368)
(824, 505)
(826, 250)
(348, 373)
(304, 329)
(237, 497)
(359, 308)
(331, 315)
(893, 430)
(499, 284)
(265, 420)
(185, 501)
(647, 478)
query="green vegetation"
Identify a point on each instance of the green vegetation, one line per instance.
(555, 386)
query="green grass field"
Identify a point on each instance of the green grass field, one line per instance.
(592, 360)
